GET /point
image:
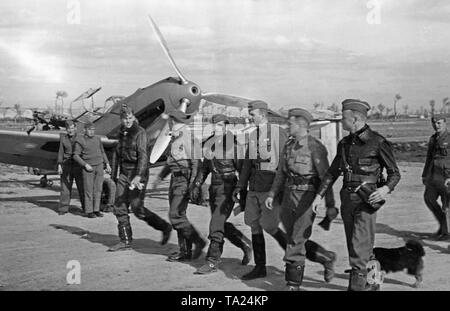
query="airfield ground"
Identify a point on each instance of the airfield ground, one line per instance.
(36, 243)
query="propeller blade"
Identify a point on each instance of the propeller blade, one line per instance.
(165, 48)
(164, 138)
(227, 100)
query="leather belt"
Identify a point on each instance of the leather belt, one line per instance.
(355, 178)
(180, 174)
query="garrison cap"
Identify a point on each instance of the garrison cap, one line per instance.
(300, 112)
(89, 125)
(438, 117)
(125, 111)
(356, 105)
(257, 104)
(219, 118)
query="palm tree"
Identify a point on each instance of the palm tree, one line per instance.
(432, 103)
(381, 109)
(18, 111)
(396, 99)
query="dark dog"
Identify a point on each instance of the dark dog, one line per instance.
(407, 257)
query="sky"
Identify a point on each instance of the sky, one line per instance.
(290, 53)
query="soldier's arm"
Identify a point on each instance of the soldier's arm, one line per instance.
(387, 159)
(203, 171)
(61, 151)
(115, 163)
(142, 154)
(77, 152)
(280, 176)
(102, 150)
(332, 173)
(195, 166)
(428, 159)
(164, 172)
(321, 164)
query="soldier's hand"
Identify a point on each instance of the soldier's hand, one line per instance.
(108, 169)
(136, 183)
(236, 194)
(379, 195)
(332, 213)
(447, 182)
(195, 194)
(60, 170)
(316, 203)
(88, 168)
(269, 202)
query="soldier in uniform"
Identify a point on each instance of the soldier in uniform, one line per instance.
(222, 163)
(68, 169)
(302, 166)
(436, 174)
(90, 155)
(131, 157)
(183, 167)
(258, 172)
(361, 157)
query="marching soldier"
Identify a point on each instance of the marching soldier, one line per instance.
(183, 167)
(258, 172)
(68, 169)
(222, 164)
(302, 166)
(91, 156)
(361, 157)
(436, 174)
(131, 157)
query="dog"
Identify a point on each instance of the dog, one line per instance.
(408, 257)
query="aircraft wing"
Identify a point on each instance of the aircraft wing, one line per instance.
(37, 150)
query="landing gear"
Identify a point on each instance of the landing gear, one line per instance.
(45, 182)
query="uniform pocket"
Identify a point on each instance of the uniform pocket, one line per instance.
(302, 164)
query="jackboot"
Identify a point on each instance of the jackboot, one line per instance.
(126, 237)
(212, 258)
(281, 238)
(196, 239)
(259, 251)
(237, 238)
(185, 251)
(317, 253)
(294, 275)
(156, 222)
(358, 280)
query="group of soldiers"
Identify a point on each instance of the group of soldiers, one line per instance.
(286, 185)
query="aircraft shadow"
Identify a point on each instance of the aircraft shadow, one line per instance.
(406, 235)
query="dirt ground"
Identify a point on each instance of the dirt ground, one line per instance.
(36, 244)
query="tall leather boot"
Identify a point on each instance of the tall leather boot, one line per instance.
(281, 238)
(185, 251)
(317, 253)
(196, 239)
(294, 276)
(212, 258)
(357, 280)
(126, 237)
(156, 222)
(259, 251)
(238, 239)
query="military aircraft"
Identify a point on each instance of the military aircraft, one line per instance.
(159, 108)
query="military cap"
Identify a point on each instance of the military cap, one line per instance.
(257, 104)
(69, 123)
(125, 111)
(356, 105)
(89, 125)
(438, 117)
(219, 118)
(300, 112)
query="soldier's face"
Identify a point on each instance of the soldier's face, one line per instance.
(127, 121)
(298, 126)
(71, 130)
(440, 126)
(90, 131)
(348, 120)
(257, 116)
(219, 127)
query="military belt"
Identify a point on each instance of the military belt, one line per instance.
(180, 173)
(355, 178)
